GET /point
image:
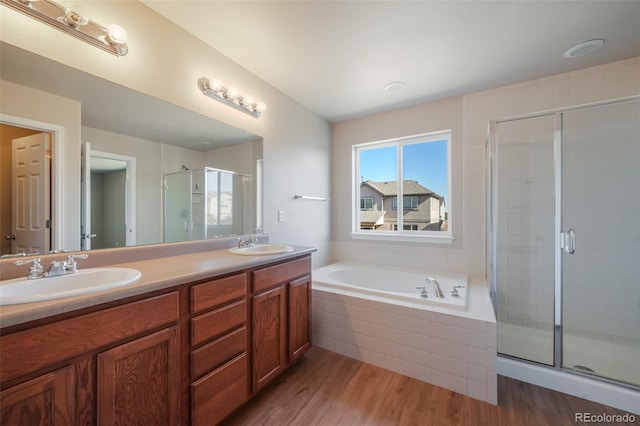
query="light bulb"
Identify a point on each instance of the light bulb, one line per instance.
(215, 85)
(233, 93)
(248, 102)
(261, 107)
(116, 34)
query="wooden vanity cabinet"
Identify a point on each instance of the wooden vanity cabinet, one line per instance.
(299, 320)
(281, 323)
(46, 400)
(219, 342)
(190, 355)
(53, 371)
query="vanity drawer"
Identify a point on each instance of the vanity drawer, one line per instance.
(215, 323)
(216, 395)
(218, 352)
(273, 275)
(217, 292)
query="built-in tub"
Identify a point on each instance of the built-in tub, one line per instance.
(394, 285)
(375, 314)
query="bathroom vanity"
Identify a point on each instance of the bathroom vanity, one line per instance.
(188, 344)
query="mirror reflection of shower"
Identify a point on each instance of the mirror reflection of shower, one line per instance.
(207, 203)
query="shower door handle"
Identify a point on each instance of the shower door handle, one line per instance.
(570, 241)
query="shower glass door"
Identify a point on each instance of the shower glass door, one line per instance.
(601, 241)
(523, 252)
(177, 207)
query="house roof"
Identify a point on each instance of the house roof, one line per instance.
(409, 187)
(371, 216)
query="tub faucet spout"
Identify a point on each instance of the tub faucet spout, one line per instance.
(436, 287)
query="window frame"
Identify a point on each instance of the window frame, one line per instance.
(437, 237)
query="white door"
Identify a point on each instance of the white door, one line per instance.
(30, 175)
(85, 188)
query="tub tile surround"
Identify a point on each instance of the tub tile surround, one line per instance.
(454, 351)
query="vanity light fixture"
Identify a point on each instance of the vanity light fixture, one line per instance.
(231, 97)
(112, 39)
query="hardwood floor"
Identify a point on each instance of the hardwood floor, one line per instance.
(326, 388)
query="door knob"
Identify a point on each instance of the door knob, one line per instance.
(10, 237)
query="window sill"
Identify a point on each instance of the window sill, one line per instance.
(407, 238)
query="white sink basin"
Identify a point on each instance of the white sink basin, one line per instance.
(27, 290)
(261, 249)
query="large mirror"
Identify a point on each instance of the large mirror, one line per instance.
(152, 172)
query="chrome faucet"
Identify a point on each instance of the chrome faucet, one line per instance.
(71, 266)
(436, 287)
(247, 241)
(56, 269)
(423, 291)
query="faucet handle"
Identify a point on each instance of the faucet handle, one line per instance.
(35, 270)
(72, 265)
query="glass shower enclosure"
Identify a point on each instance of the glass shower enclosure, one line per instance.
(565, 239)
(207, 203)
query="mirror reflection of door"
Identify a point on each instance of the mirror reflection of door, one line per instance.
(25, 188)
(108, 200)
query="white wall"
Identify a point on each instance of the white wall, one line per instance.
(469, 117)
(164, 61)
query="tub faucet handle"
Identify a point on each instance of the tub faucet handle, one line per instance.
(423, 291)
(455, 292)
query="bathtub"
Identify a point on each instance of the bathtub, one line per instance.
(375, 314)
(393, 285)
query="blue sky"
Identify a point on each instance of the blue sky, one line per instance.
(424, 162)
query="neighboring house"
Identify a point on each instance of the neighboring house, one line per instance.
(221, 214)
(423, 209)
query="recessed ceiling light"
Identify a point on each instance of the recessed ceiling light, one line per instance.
(395, 87)
(583, 48)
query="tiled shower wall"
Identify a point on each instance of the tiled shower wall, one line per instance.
(518, 302)
(524, 222)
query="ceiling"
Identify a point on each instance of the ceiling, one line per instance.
(335, 57)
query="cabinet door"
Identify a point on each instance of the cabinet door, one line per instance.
(45, 400)
(299, 317)
(139, 382)
(269, 336)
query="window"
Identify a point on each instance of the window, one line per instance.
(366, 203)
(410, 178)
(409, 202)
